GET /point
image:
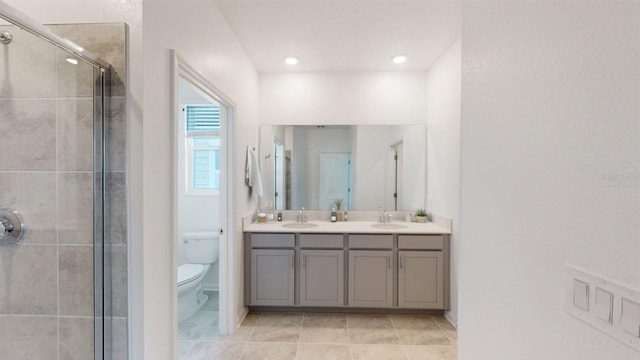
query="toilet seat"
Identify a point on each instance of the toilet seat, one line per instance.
(189, 272)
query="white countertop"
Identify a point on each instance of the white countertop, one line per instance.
(355, 227)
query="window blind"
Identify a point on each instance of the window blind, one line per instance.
(203, 117)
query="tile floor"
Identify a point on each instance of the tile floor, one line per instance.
(307, 336)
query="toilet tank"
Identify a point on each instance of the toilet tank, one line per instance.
(201, 247)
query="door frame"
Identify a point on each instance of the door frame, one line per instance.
(226, 261)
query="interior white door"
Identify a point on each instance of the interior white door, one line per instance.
(334, 180)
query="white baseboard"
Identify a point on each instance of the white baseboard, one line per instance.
(243, 315)
(451, 318)
(210, 288)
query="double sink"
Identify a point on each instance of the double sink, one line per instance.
(308, 225)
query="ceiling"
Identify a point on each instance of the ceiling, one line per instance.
(343, 35)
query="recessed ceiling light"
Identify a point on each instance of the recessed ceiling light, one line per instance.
(291, 60)
(399, 59)
(72, 61)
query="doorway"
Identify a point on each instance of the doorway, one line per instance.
(335, 170)
(202, 209)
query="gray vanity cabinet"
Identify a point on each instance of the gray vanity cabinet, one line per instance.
(422, 272)
(272, 277)
(321, 277)
(272, 270)
(420, 280)
(370, 278)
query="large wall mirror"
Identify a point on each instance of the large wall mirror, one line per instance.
(362, 166)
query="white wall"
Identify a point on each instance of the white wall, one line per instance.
(343, 98)
(443, 151)
(205, 41)
(550, 172)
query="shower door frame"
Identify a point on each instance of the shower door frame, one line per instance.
(101, 96)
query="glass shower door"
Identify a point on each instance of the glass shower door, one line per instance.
(51, 174)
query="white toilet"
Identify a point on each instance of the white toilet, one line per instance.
(201, 250)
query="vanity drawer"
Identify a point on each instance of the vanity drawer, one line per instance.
(370, 241)
(322, 241)
(272, 240)
(421, 242)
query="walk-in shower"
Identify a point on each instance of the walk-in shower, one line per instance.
(59, 191)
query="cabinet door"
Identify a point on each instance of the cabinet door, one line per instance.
(272, 277)
(321, 277)
(420, 279)
(370, 278)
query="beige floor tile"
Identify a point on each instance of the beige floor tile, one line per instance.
(279, 319)
(290, 334)
(221, 350)
(448, 329)
(431, 352)
(269, 351)
(377, 352)
(324, 352)
(371, 329)
(321, 328)
(419, 330)
(277, 327)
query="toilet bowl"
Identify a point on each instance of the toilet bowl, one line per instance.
(201, 250)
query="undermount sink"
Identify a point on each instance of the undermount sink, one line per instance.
(299, 225)
(390, 226)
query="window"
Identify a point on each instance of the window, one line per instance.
(202, 149)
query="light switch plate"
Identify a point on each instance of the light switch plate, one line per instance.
(630, 317)
(581, 294)
(604, 305)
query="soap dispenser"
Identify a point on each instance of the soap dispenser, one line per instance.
(334, 216)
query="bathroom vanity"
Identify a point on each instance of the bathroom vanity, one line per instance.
(347, 266)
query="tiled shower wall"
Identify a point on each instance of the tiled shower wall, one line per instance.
(46, 165)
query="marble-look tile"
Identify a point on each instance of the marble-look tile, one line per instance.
(29, 337)
(184, 348)
(377, 352)
(34, 195)
(194, 327)
(119, 280)
(28, 280)
(277, 327)
(75, 206)
(431, 352)
(107, 41)
(75, 134)
(115, 221)
(76, 338)
(419, 330)
(270, 351)
(222, 350)
(76, 280)
(371, 329)
(30, 64)
(29, 134)
(241, 334)
(213, 303)
(324, 352)
(115, 134)
(324, 328)
(73, 80)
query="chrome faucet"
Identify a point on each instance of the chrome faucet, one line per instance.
(301, 216)
(384, 216)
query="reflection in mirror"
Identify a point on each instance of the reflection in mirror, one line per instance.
(352, 167)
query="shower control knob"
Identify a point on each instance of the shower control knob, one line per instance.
(11, 227)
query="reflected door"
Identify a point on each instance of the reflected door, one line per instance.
(334, 180)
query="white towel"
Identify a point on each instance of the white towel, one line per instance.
(252, 172)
